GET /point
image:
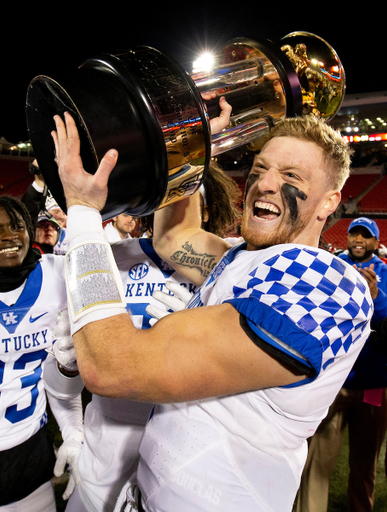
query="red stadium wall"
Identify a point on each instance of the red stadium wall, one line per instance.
(14, 176)
(375, 200)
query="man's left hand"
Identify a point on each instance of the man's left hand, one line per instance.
(68, 455)
(219, 123)
(80, 187)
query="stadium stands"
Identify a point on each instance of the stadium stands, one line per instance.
(364, 193)
(14, 176)
(337, 234)
(356, 184)
(375, 200)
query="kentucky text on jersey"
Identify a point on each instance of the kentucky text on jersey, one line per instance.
(147, 289)
(26, 341)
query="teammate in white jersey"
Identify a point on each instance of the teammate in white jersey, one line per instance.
(244, 379)
(114, 428)
(32, 291)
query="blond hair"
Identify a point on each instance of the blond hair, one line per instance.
(336, 150)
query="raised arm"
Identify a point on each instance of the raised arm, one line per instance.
(177, 234)
(189, 355)
(179, 240)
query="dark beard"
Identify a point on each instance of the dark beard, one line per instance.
(367, 255)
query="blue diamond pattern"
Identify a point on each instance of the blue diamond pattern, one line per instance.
(347, 285)
(306, 303)
(274, 275)
(315, 290)
(296, 269)
(331, 306)
(278, 289)
(308, 323)
(302, 288)
(296, 275)
(326, 286)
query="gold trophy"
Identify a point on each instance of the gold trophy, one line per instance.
(144, 104)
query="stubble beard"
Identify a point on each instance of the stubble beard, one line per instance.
(286, 233)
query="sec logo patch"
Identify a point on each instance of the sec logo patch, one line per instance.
(138, 271)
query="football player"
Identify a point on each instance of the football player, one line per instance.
(114, 427)
(245, 375)
(32, 292)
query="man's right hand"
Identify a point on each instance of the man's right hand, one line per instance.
(370, 276)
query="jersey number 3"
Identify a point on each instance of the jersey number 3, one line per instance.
(12, 413)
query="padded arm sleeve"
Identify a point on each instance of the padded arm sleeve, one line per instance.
(58, 385)
(64, 398)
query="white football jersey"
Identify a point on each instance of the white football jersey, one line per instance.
(114, 428)
(25, 329)
(246, 451)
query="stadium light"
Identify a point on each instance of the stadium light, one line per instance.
(204, 62)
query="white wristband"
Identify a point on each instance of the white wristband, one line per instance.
(37, 187)
(94, 286)
(83, 223)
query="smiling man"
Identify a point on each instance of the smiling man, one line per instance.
(14, 248)
(245, 375)
(32, 292)
(120, 227)
(363, 240)
(278, 212)
(362, 402)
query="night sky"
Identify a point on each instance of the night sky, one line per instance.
(56, 43)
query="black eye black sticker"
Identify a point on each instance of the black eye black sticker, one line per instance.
(251, 179)
(291, 193)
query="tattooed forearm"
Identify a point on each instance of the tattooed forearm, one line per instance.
(187, 257)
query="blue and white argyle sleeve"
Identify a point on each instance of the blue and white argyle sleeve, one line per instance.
(305, 302)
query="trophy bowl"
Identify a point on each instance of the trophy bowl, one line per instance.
(140, 103)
